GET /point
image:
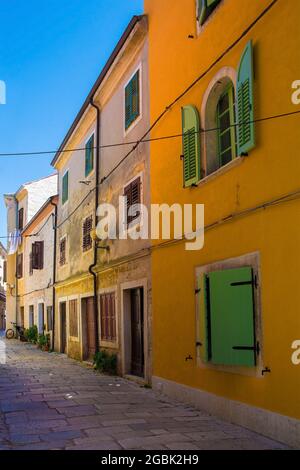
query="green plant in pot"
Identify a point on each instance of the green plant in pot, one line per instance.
(31, 334)
(105, 362)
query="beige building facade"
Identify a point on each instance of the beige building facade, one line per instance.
(21, 208)
(115, 274)
(39, 240)
(3, 273)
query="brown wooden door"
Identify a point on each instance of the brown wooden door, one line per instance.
(90, 327)
(137, 332)
(63, 328)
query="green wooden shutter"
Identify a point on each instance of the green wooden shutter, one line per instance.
(132, 100)
(202, 333)
(245, 102)
(232, 317)
(191, 145)
(65, 187)
(205, 7)
(89, 156)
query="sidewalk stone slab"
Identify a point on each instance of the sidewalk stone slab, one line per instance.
(48, 401)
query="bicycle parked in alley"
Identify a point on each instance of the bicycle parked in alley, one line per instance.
(16, 332)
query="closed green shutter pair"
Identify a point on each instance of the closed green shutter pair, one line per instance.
(244, 119)
(226, 322)
(89, 156)
(132, 100)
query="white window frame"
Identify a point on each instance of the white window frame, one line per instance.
(90, 134)
(139, 220)
(137, 120)
(207, 21)
(253, 260)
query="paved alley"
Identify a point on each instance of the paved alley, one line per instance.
(49, 401)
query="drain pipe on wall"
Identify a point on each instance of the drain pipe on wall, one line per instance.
(54, 273)
(94, 264)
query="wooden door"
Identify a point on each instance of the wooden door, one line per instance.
(63, 328)
(137, 332)
(90, 327)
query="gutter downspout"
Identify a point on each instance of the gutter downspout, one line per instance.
(92, 266)
(16, 263)
(54, 274)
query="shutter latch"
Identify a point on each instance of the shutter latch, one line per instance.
(265, 371)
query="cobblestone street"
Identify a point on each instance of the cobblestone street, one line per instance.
(49, 401)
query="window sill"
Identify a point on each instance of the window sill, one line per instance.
(132, 125)
(224, 169)
(90, 174)
(86, 252)
(253, 371)
(109, 344)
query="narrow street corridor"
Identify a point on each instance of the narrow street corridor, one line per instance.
(48, 401)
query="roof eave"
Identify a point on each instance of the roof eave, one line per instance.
(104, 71)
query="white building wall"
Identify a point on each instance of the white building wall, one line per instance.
(38, 286)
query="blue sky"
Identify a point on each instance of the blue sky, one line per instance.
(51, 53)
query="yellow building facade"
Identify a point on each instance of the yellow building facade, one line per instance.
(226, 317)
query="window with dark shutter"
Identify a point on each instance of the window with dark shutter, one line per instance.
(89, 156)
(65, 187)
(38, 255)
(30, 264)
(62, 251)
(73, 318)
(132, 192)
(49, 319)
(132, 100)
(21, 219)
(225, 125)
(4, 271)
(108, 317)
(20, 265)
(87, 226)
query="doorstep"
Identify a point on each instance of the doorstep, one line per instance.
(134, 378)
